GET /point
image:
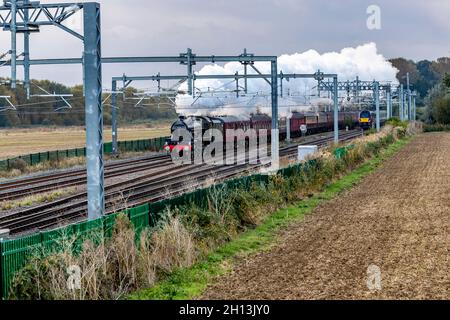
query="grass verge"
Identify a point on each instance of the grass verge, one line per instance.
(188, 283)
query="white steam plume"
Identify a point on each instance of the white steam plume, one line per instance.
(298, 94)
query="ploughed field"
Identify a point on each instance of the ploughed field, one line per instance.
(16, 142)
(397, 218)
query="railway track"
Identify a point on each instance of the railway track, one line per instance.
(44, 183)
(20, 188)
(149, 188)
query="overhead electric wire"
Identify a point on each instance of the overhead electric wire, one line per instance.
(45, 102)
(51, 113)
(37, 105)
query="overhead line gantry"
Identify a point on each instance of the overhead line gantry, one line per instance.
(358, 86)
(127, 80)
(26, 17)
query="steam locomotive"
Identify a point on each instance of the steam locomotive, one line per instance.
(300, 123)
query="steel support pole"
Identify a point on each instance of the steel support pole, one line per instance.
(26, 53)
(115, 148)
(357, 92)
(281, 84)
(377, 105)
(389, 103)
(94, 112)
(84, 76)
(336, 109)
(409, 106)
(415, 108)
(13, 44)
(409, 96)
(275, 133)
(245, 73)
(401, 104)
(237, 84)
(405, 107)
(189, 72)
(288, 126)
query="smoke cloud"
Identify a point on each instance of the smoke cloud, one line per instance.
(216, 97)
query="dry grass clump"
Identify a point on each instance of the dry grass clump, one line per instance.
(172, 247)
(109, 268)
(286, 161)
(385, 131)
(25, 169)
(19, 167)
(13, 173)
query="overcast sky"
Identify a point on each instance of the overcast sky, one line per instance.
(414, 29)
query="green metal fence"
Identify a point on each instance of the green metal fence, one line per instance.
(155, 144)
(15, 252)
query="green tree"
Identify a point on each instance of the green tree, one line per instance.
(446, 80)
(438, 102)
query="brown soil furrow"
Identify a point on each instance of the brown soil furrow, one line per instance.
(398, 218)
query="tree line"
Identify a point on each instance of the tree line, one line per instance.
(431, 79)
(424, 74)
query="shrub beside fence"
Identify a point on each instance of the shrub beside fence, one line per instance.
(155, 144)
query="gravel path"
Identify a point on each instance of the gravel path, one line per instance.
(397, 219)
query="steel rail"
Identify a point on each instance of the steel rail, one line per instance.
(45, 185)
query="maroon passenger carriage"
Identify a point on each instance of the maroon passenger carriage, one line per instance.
(313, 122)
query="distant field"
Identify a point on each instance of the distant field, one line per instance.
(15, 142)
